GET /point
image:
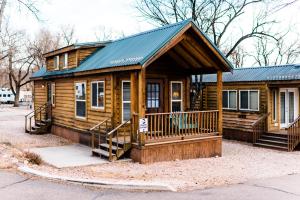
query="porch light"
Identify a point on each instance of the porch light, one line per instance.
(175, 94)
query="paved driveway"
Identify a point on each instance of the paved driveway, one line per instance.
(15, 186)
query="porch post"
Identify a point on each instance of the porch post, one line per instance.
(134, 103)
(141, 94)
(219, 101)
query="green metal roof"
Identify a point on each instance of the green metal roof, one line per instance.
(132, 50)
(257, 74)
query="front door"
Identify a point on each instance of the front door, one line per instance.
(154, 96)
(289, 101)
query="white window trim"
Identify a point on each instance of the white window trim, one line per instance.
(97, 107)
(56, 62)
(66, 60)
(181, 98)
(80, 117)
(236, 100)
(258, 96)
(122, 106)
(53, 87)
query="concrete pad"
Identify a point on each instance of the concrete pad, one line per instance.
(289, 183)
(68, 156)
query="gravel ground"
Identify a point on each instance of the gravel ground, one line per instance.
(12, 130)
(240, 162)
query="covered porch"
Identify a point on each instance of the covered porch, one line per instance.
(152, 102)
(161, 97)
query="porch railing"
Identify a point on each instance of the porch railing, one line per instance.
(44, 112)
(181, 124)
(259, 127)
(293, 134)
(99, 129)
(121, 136)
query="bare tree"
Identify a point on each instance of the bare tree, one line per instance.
(43, 42)
(217, 18)
(103, 33)
(68, 35)
(267, 52)
(29, 5)
(19, 62)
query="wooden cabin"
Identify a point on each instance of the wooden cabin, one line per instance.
(131, 97)
(260, 105)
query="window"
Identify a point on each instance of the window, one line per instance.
(98, 94)
(53, 94)
(80, 98)
(176, 96)
(249, 100)
(65, 60)
(8, 95)
(126, 103)
(229, 99)
(4, 95)
(56, 62)
(153, 93)
(274, 103)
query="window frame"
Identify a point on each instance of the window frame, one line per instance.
(66, 60)
(53, 100)
(98, 107)
(75, 113)
(171, 96)
(236, 99)
(258, 98)
(56, 62)
(122, 106)
(156, 92)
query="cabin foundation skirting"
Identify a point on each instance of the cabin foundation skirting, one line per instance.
(73, 135)
(233, 134)
(181, 150)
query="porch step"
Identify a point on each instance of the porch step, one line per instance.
(273, 142)
(270, 146)
(101, 152)
(274, 138)
(106, 147)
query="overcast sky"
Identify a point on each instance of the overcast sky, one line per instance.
(118, 15)
(121, 16)
(85, 15)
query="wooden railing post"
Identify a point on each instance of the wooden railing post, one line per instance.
(142, 99)
(110, 147)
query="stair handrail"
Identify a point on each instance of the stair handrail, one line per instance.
(293, 131)
(259, 127)
(36, 109)
(36, 113)
(111, 134)
(97, 126)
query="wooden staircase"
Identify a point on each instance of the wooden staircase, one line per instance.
(286, 140)
(273, 141)
(111, 144)
(39, 121)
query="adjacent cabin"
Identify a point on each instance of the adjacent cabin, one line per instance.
(260, 105)
(131, 97)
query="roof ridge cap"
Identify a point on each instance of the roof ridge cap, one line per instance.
(154, 30)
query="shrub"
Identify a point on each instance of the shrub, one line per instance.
(33, 158)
